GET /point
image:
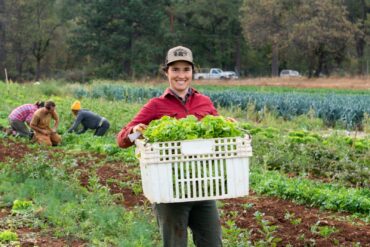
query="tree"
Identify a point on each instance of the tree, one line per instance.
(17, 42)
(263, 23)
(322, 33)
(358, 11)
(212, 29)
(30, 26)
(45, 24)
(123, 37)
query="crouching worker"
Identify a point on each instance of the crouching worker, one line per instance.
(89, 120)
(40, 123)
(21, 116)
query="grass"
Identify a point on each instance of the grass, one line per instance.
(72, 210)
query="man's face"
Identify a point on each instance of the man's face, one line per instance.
(50, 108)
(180, 75)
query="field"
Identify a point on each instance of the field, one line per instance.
(309, 176)
(302, 82)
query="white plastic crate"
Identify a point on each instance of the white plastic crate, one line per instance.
(195, 170)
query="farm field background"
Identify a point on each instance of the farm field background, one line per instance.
(309, 176)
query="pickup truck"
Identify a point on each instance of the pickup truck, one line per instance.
(215, 73)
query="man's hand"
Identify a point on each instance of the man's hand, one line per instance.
(139, 128)
(230, 119)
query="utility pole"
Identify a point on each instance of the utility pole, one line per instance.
(6, 77)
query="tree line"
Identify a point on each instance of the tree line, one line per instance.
(127, 39)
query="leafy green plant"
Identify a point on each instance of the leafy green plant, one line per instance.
(21, 207)
(7, 236)
(248, 205)
(323, 231)
(267, 230)
(137, 188)
(292, 219)
(233, 236)
(172, 129)
(314, 193)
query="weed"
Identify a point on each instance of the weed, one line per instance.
(137, 188)
(323, 231)
(292, 219)
(248, 205)
(234, 236)
(267, 230)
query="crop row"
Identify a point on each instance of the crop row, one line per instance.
(348, 109)
(308, 192)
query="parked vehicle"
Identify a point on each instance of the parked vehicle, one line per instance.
(232, 75)
(214, 73)
(289, 73)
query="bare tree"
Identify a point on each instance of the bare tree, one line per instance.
(263, 23)
(45, 25)
(322, 34)
(18, 32)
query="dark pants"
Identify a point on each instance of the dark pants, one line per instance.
(201, 216)
(21, 128)
(100, 131)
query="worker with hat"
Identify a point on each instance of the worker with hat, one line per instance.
(89, 120)
(179, 100)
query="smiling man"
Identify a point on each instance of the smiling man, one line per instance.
(179, 100)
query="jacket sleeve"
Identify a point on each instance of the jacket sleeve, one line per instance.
(210, 106)
(76, 123)
(213, 109)
(83, 130)
(145, 116)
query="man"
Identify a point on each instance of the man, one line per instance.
(179, 101)
(89, 120)
(40, 123)
(21, 116)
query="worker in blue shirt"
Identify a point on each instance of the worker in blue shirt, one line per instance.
(89, 120)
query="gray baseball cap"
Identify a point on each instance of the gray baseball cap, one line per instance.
(179, 53)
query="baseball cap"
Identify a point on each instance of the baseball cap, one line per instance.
(179, 53)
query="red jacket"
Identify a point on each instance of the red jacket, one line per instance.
(167, 104)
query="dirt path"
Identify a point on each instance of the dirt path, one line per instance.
(296, 224)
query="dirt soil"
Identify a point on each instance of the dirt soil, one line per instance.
(123, 179)
(301, 82)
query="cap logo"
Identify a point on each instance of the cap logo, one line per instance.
(180, 53)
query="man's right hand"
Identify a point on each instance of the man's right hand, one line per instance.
(139, 128)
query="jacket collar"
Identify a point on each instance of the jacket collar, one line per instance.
(169, 92)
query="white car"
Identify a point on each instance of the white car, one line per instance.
(289, 73)
(214, 73)
(232, 75)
